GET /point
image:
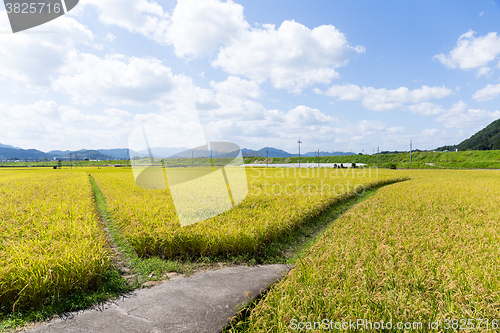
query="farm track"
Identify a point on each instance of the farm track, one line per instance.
(119, 260)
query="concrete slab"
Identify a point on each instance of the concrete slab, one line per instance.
(203, 302)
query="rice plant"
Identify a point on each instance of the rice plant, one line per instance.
(51, 240)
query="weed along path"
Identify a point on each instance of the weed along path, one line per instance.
(202, 302)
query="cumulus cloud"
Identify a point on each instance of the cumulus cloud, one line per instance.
(384, 99)
(426, 109)
(201, 26)
(486, 71)
(491, 91)
(472, 52)
(461, 116)
(47, 125)
(238, 87)
(138, 16)
(36, 58)
(291, 57)
(429, 132)
(116, 79)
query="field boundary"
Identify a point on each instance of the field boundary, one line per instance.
(137, 271)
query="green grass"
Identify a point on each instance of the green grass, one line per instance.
(488, 159)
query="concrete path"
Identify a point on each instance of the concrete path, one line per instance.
(202, 302)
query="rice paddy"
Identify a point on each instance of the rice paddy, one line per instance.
(51, 241)
(278, 201)
(422, 251)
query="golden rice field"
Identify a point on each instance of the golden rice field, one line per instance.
(278, 201)
(51, 240)
(418, 251)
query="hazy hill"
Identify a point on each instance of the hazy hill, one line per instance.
(21, 154)
(274, 152)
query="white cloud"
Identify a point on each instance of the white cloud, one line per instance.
(430, 132)
(110, 37)
(36, 58)
(292, 56)
(461, 116)
(426, 109)
(202, 26)
(471, 52)
(384, 99)
(491, 91)
(138, 16)
(486, 71)
(116, 79)
(238, 87)
(368, 127)
(305, 116)
(396, 130)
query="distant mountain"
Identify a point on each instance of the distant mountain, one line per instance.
(118, 153)
(77, 155)
(10, 152)
(21, 154)
(160, 152)
(274, 152)
(486, 139)
(8, 146)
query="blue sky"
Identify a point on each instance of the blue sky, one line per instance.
(339, 75)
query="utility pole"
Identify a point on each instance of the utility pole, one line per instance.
(70, 161)
(267, 158)
(192, 158)
(299, 142)
(318, 158)
(378, 151)
(410, 150)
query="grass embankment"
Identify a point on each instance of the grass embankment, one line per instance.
(489, 159)
(279, 201)
(418, 251)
